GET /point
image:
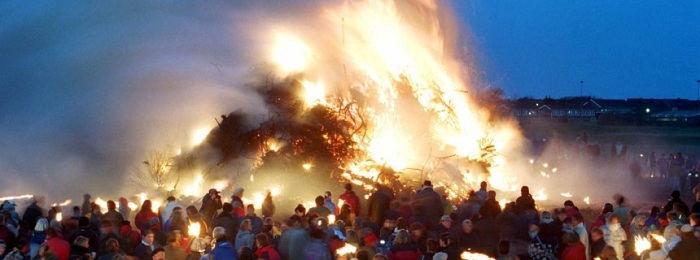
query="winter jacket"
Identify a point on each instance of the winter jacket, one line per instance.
(432, 203)
(351, 199)
(293, 242)
(268, 253)
(255, 222)
(229, 222)
(143, 218)
(59, 247)
(378, 206)
(244, 238)
(223, 250)
(615, 239)
(405, 251)
(143, 251)
(316, 250)
(575, 251)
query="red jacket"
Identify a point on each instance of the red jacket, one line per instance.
(406, 251)
(268, 253)
(59, 247)
(574, 252)
(142, 219)
(351, 199)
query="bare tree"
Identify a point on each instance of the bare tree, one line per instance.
(156, 172)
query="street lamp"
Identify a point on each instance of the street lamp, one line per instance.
(580, 111)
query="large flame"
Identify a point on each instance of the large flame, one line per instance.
(394, 59)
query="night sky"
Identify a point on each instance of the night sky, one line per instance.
(620, 49)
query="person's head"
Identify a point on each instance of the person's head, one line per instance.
(238, 192)
(613, 219)
(111, 205)
(654, 211)
(319, 201)
(427, 183)
(45, 251)
(173, 239)
(327, 194)
(491, 194)
(198, 245)
(432, 245)
(82, 241)
(213, 193)
(694, 219)
(362, 254)
(76, 211)
(158, 254)
(147, 205)
(402, 238)
(379, 257)
(227, 208)
(596, 234)
(219, 233)
(503, 247)
(445, 239)
(561, 214)
(401, 223)
(568, 204)
(446, 221)
(245, 225)
(83, 222)
(525, 191)
(676, 194)
(191, 211)
(570, 238)
(95, 208)
(577, 219)
(467, 226)
(608, 253)
(262, 240)
(106, 227)
(112, 245)
(533, 230)
(296, 221)
(351, 236)
(148, 237)
(300, 210)
(389, 224)
(348, 187)
(483, 185)
(250, 210)
(417, 230)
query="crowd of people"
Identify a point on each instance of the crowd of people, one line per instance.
(385, 225)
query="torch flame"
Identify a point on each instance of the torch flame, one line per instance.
(474, 256)
(59, 216)
(347, 249)
(641, 244)
(659, 238)
(25, 196)
(193, 229)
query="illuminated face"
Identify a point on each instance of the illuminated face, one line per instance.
(149, 239)
(467, 228)
(159, 256)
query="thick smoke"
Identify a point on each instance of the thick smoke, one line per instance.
(89, 89)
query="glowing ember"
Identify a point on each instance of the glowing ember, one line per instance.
(587, 200)
(193, 229)
(306, 166)
(554, 170)
(567, 195)
(347, 249)
(641, 244)
(474, 256)
(545, 165)
(20, 197)
(658, 238)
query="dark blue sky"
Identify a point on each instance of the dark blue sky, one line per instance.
(620, 49)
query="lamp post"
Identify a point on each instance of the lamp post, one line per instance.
(580, 111)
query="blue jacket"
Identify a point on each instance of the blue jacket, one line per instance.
(223, 251)
(317, 250)
(244, 238)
